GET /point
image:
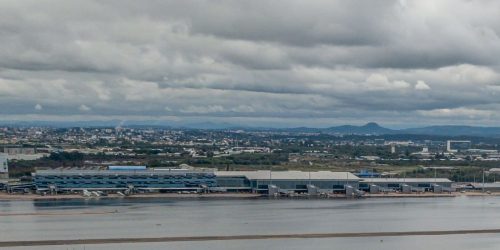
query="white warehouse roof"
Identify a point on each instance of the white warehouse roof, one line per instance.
(405, 180)
(289, 175)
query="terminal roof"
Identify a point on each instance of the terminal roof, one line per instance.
(405, 180)
(289, 175)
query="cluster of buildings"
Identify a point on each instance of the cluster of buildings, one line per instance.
(199, 143)
(121, 141)
(459, 150)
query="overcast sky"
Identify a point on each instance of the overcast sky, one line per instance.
(266, 63)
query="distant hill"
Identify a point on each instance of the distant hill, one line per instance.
(369, 128)
(375, 129)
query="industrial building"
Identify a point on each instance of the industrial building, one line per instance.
(263, 181)
(4, 166)
(406, 185)
(123, 178)
(20, 153)
(19, 150)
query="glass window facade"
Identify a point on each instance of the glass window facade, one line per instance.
(118, 180)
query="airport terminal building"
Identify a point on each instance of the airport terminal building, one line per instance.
(137, 178)
(193, 179)
(286, 181)
(123, 177)
(410, 184)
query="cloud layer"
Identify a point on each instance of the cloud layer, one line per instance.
(285, 63)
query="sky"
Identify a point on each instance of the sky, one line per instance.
(257, 63)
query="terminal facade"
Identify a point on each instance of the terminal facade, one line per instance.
(121, 178)
(406, 184)
(142, 178)
(286, 181)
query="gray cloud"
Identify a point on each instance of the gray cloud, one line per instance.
(314, 63)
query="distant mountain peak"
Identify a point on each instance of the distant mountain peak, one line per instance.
(371, 125)
(369, 128)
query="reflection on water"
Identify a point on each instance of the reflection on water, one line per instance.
(114, 218)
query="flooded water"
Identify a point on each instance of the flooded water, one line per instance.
(115, 218)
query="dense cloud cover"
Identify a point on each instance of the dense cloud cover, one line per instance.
(268, 63)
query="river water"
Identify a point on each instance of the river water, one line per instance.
(122, 218)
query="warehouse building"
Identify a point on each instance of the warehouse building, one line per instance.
(287, 181)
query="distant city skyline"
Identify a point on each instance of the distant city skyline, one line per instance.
(257, 63)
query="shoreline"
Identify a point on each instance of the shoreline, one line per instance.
(35, 197)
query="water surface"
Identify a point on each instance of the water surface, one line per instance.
(119, 218)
